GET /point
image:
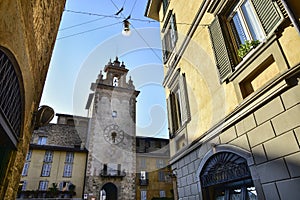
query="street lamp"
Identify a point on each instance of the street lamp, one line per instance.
(126, 31)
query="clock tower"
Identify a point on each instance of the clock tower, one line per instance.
(111, 164)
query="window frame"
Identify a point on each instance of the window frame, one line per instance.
(169, 36)
(69, 157)
(160, 163)
(143, 194)
(46, 170)
(48, 157)
(161, 176)
(42, 140)
(178, 104)
(162, 193)
(269, 16)
(25, 169)
(43, 185)
(68, 169)
(24, 185)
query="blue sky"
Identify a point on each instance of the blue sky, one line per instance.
(86, 42)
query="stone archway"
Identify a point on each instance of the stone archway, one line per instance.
(228, 172)
(110, 192)
(11, 108)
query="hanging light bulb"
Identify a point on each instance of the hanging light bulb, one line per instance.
(126, 31)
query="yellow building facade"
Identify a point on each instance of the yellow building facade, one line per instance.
(231, 80)
(27, 36)
(153, 178)
(57, 155)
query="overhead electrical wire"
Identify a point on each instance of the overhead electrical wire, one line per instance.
(133, 7)
(88, 30)
(87, 22)
(146, 43)
(110, 16)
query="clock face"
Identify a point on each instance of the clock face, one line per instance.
(113, 134)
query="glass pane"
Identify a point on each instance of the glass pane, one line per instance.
(251, 193)
(239, 28)
(235, 194)
(252, 22)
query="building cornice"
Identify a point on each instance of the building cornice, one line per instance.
(57, 148)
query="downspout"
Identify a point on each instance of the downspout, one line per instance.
(291, 15)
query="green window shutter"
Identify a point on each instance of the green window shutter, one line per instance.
(223, 58)
(185, 111)
(269, 16)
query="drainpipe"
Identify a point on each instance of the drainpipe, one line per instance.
(291, 15)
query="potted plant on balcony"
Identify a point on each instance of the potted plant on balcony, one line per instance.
(247, 47)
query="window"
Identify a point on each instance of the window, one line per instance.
(47, 163)
(161, 176)
(143, 175)
(27, 163)
(28, 156)
(238, 22)
(69, 157)
(68, 170)
(143, 195)
(24, 185)
(48, 156)
(244, 24)
(177, 104)
(64, 186)
(116, 81)
(42, 140)
(25, 169)
(71, 122)
(114, 114)
(160, 163)
(165, 5)
(46, 169)
(170, 36)
(43, 185)
(162, 193)
(68, 164)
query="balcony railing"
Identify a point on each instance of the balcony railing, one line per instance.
(144, 182)
(112, 173)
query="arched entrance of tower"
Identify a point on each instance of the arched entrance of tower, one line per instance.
(109, 191)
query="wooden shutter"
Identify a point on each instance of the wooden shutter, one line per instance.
(222, 57)
(173, 27)
(269, 16)
(171, 130)
(185, 110)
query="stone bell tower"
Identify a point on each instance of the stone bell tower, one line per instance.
(111, 161)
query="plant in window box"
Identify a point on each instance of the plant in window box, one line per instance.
(247, 47)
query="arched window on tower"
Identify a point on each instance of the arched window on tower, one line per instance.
(116, 81)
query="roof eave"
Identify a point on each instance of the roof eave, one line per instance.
(152, 9)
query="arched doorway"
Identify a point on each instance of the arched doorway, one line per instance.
(226, 176)
(109, 191)
(11, 109)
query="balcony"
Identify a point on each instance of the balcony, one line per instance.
(112, 173)
(143, 182)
